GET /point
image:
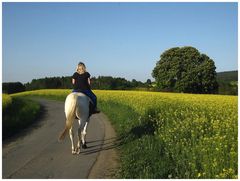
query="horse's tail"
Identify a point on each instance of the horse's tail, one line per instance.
(70, 112)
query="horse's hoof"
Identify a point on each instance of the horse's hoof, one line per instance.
(84, 146)
(78, 151)
(74, 151)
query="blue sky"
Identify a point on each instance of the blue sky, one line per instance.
(113, 39)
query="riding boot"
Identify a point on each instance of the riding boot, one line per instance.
(95, 111)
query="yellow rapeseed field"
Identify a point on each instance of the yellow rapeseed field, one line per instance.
(199, 131)
(6, 101)
(196, 133)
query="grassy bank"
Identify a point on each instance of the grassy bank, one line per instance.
(6, 101)
(175, 135)
(18, 113)
(167, 135)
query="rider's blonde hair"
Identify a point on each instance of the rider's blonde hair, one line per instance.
(81, 68)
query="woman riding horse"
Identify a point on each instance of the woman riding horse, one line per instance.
(77, 105)
(81, 83)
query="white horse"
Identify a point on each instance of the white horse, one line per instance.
(76, 105)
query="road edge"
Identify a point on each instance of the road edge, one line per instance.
(107, 161)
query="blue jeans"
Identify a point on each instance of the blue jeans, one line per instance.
(90, 94)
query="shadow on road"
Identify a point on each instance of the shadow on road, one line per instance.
(146, 128)
(101, 145)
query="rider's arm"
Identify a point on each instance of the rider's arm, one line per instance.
(73, 81)
(89, 82)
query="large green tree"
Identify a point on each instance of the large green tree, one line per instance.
(185, 70)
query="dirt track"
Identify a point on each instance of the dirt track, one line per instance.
(38, 154)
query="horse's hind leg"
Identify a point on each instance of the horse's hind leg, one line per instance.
(83, 135)
(79, 138)
(82, 131)
(72, 140)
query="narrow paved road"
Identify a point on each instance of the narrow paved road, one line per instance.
(38, 154)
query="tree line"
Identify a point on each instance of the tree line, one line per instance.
(100, 83)
(228, 82)
(227, 85)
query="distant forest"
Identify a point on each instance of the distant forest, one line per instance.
(228, 84)
(100, 83)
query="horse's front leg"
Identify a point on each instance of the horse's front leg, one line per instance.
(72, 140)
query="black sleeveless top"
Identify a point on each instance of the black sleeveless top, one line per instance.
(81, 81)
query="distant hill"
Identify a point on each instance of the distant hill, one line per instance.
(228, 82)
(227, 76)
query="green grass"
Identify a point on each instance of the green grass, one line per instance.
(6, 101)
(174, 135)
(140, 150)
(18, 115)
